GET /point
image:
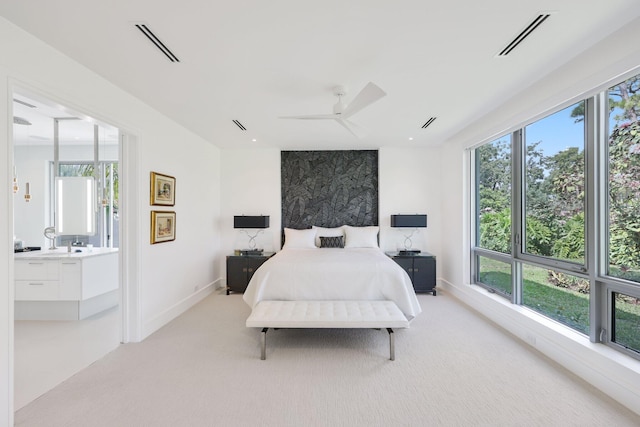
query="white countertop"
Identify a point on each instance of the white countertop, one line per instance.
(63, 253)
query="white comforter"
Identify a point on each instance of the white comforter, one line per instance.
(333, 274)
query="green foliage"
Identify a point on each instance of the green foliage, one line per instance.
(539, 236)
(82, 169)
(494, 176)
(494, 195)
(570, 244)
(624, 196)
(537, 198)
(622, 250)
(495, 231)
(565, 182)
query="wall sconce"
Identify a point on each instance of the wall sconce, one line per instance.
(245, 222)
(15, 181)
(409, 221)
(27, 195)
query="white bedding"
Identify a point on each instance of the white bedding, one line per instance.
(333, 274)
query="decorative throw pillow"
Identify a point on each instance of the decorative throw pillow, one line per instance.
(299, 239)
(327, 232)
(361, 237)
(332, 242)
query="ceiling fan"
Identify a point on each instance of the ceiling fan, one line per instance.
(341, 111)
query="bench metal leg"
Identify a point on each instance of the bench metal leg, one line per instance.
(263, 342)
(392, 349)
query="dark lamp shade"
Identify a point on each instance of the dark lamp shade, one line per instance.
(251, 221)
(409, 221)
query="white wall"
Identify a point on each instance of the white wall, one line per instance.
(31, 218)
(171, 276)
(602, 66)
(250, 186)
(409, 182)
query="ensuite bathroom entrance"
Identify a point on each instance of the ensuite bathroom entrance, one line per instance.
(66, 242)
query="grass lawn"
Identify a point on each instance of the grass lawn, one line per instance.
(564, 305)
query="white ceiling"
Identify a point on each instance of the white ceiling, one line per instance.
(34, 124)
(256, 60)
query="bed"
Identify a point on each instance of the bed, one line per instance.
(305, 270)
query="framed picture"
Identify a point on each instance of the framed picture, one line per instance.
(163, 189)
(163, 226)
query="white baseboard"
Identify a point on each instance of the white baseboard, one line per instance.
(177, 309)
(610, 371)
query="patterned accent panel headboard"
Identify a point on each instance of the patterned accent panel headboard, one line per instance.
(329, 188)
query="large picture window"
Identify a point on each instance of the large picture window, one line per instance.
(555, 184)
(557, 216)
(624, 180)
(494, 195)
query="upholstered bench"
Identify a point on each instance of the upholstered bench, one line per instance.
(327, 314)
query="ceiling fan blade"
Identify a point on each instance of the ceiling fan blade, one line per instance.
(313, 117)
(355, 130)
(367, 96)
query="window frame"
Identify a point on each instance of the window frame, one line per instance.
(596, 211)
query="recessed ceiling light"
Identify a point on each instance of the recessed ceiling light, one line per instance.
(254, 140)
(410, 138)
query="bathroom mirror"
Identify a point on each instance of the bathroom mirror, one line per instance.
(75, 206)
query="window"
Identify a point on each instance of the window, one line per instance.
(557, 295)
(554, 185)
(624, 180)
(557, 216)
(626, 321)
(494, 195)
(495, 274)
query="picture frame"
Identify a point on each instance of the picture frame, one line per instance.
(163, 189)
(163, 226)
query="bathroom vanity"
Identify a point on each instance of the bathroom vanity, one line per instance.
(61, 285)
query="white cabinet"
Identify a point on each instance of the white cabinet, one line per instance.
(70, 279)
(37, 280)
(65, 287)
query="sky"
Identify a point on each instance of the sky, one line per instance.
(556, 132)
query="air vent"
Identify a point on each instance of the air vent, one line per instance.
(428, 122)
(21, 121)
(156, 41)
(239, 125)
(24, 103)
(524, 34)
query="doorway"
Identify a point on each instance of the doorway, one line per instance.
(52, 342)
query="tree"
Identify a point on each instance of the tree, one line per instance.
(624, 195)
(537, 199)
(494, 173)
(494, 196)
(565, 182)
(624, 98)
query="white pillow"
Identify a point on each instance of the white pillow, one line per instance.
(361, 237)
(299, 239)
(327, 232)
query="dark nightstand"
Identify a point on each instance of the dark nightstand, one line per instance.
(421, 268)
(240, 269)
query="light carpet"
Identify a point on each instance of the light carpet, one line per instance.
(453, 367)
